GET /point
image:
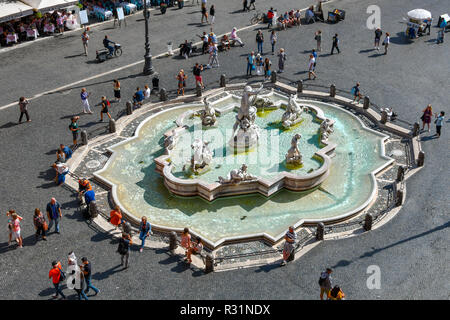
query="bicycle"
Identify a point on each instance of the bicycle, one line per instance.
(257, 18)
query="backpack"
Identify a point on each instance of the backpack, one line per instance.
(121, 248)
(322, 280)
(108, 103)
(62, 275)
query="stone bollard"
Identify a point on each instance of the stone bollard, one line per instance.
(223, 81)
(300, 86)
(209, 263)
(84, 138)
(93, 212)
(368, 221)
(320, 231)
(366, 103)
(129, 108)
(400, 174)
(416, 129)
(399, 198)
(421, 159)
(384, 117)
(173, 242)
(198, 91)
(163, 95)
(332, 91)
(112, 126)
(273, 77)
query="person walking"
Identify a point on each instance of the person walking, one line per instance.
(212, 14)
(186, 242)
(281, 60)
(205, 41)
(116, 87)
(259, 41)
(325, 283)
(288, 247)
(23, 106)
(40, 224)
(335, 44)
(15, 222)
(439, 120)
(197, 71)
(105, 105)
(87, 272)
(213, 56)
(57, 276)
(75, 271)
(84, 100)
(356, 92)
(386, 42)
(318, 38)
(73, 127)
(124, 249)
(144, 231)
(311, 67)
(426, 117)
(378, 34)
(273, 40)
(270, 15)
(250, 63)
(204, 13)
(85, 41)
(252, 3)
(181, 77)
(440, 36)
(267, 66)
(54, 214)
(245, 4)
(10, 226)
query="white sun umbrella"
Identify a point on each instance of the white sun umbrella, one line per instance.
(419, 14)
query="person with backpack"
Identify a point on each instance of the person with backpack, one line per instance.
(260, 41)
(87, 273)
(335, 44)
(325, 282)
(57, 276)
(145, 229)
(124, 249)
(356, 93)
(105, 105)
(73, 127)
(336, 294)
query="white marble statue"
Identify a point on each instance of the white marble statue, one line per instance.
(293, 113)
(245, 131)
(208, 115)
(170, 141)
(326, 128)
(237, 176)
(294, 157)
(202, 155)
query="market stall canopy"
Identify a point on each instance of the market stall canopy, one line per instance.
(11, 9)
(48, 5)
(419, 14)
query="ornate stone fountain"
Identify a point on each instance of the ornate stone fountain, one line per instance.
(208, 115)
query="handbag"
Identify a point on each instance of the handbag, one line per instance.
(422, 117)
(45, 226)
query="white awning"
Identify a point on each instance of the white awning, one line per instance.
(11, 9)
(419, 14)
(48, 5)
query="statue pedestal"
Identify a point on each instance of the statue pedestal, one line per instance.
(244, 140)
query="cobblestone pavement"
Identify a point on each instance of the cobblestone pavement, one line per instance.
(411, 250)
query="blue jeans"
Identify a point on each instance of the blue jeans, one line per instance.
(260, 47)
(111, 50)
(249, 68)
(56, 224)
(90, 286)
(81, 294)
(143, 236)
(62, 178)
(58, 290)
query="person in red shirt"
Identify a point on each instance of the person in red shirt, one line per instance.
(270, 15)
(116, 217)
(55, 275)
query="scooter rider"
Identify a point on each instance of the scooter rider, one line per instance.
(106, 44)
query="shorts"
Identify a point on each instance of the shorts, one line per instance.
(16, 234)
(198, 79)
(117, 94)
(75, 135)
(105, 110)
(181, 84)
